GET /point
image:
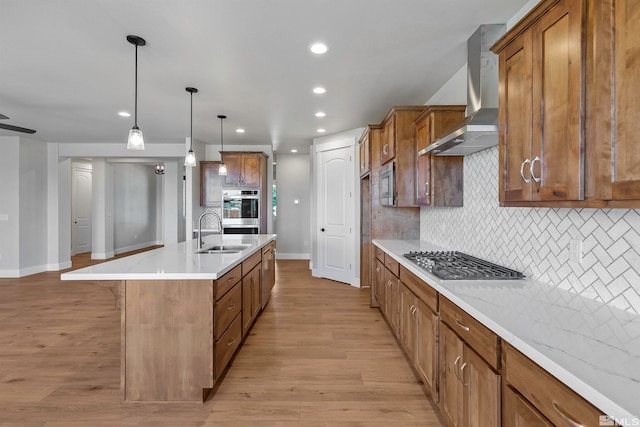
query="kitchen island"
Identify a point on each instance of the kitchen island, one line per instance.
(184, 314)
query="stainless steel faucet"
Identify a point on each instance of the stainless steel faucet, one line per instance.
(200, 242)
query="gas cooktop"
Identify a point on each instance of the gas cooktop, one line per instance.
(453, 265)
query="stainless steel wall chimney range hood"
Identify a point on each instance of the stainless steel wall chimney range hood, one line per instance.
(479, 130)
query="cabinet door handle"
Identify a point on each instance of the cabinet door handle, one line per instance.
(464, 365)
(566, 416)
(455, 367)
(377, 269)
(426, 189)
(466, 328)
(411, 308)
(526, 180)
(414, 310)
(385, 149)
(533, 162)
(231, 341)
(231, 306)
(362, 165)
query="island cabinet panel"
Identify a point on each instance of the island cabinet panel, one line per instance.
(554, 400)
(167, 345)
(222, 285)
(227, 345)
(227, 309)
(250, 298)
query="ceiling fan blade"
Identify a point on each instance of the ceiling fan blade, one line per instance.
(16, 128)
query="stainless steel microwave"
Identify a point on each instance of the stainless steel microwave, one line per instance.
(388, 184)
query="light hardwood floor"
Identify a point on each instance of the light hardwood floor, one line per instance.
(317, 356)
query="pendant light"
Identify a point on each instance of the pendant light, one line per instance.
(190, 159)
(136, 141)
(222, 170)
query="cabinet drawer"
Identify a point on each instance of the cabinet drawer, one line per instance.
(252, 261)
(227, 309)
(392, 265)
(423, 291)
(379, 254)
(222, 285)
(227, 345)
(561, 405)
(481, 339)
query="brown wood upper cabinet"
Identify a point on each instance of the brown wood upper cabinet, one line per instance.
(244, 169)
(613, 88)
(210, 184)
(398, 143)
(365, 147)
(438, 178)
(541, 111)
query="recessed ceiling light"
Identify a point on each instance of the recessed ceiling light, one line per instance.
(294, 151)
(319, 90)
(318, 48)
(240, 130)
(321, 130)
(124, 114)
(320, 114)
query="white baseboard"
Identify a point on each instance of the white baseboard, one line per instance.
(280, 255)
(59, 266)
(102, 255)
(14, 274)
(135, 247)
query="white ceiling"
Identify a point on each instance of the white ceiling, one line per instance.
(66, 68)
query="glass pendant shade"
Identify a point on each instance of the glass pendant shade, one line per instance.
(222, 170)
(190, 159)
(135, 141)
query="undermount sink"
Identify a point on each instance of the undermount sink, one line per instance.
(223, 249)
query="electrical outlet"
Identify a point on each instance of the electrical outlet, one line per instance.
(575, 251)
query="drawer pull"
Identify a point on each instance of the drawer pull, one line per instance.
(231, 341)
(455, 367)
(231, 306)
(466, 328)
(385, 149)
(565, 416)
(231, 279)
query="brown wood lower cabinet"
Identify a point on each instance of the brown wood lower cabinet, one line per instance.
(227, 345)
(427, 347)
(378, 283)
(469, 387)
(517, 412)
(392, 284)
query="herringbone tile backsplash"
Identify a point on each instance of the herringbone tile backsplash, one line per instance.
(536, 240)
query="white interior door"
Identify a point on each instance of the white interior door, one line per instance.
(80, 210)
(335, 214)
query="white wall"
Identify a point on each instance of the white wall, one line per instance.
(135, 207)
(9, 207)
(293, 220)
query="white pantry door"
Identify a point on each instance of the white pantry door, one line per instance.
(80, 210)
(335, 214)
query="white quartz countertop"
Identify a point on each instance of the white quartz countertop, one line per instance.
(175, 262)
(591, 347)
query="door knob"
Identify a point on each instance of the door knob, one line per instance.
(322, 229)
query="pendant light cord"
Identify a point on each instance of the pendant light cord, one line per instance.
(191, 126)
(135, 113)
(221, 141)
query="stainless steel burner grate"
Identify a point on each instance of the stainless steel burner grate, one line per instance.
(453, 265)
